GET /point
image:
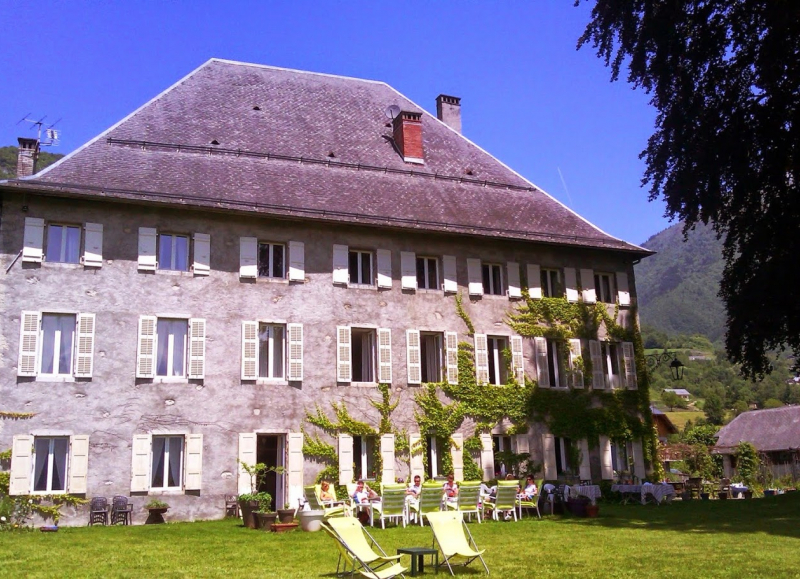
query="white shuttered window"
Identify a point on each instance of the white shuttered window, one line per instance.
(33, 240)
(93, 245)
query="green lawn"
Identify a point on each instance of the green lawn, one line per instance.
(756, 538)
(681, 417)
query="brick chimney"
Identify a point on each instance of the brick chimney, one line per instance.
(408, 136)
(27, 156)
(448, 110)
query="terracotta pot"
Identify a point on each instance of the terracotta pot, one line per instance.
(286, 515)
(592, 511)
(283, 527)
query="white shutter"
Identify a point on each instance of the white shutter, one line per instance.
(534, 281)
(606, 464)
(341, 267)
(408, 270)
(574, 354)
(387, 458)
(93, 244)
(638, 460)
(481, 358)
(140, 463)
(598, 374)
(587, 284)
(629, 361)
(194, 462)
(297, 261)
(247, 455)
(197, 349)
(344, 364)
(449, 273)
(542, 368)
(475, 276)
(514, 285)
(413, 357)
(147, 249)
(384, 355)
(623, 293)
(417, 465)
(295, 332)
(146, 351)
(84, 350)
(28, 363)
(584, 470)
(384, 268)
(248, 257)
(549, 457)
(249, 350)
(457, 455)
(571, 284)
(296, 466)
(523, 444)
(33, 240)
(517, 360)
(202, 254)
(345, 459)
(21, 465)
(487, 456)
(78, 464)
(451, 356)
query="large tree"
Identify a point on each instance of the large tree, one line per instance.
(724, 77)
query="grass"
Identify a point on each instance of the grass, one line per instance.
(681, 417)
(709, 539)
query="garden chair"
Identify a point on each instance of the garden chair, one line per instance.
(430, 501)
(528, 504)
(121, 510)
(392, 504)
(311, 494)
(469, 498)
(357, 550)
(98, 511)
(505, 500)
(451, 534)
(231, 506)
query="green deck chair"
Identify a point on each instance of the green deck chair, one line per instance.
(357, 550)
(430, 500)
(505, 500)
(469, 498)
(454, 540)
(393, 503)
(311, 494)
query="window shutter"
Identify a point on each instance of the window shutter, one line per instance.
(481, 358)
(413, 357)
(21, 465)
(296, 466)
(297, 261)
(623, 294)
(247, 455)
(606, 465)
(194, 462)
(475, 276)
(384, 268)
(534, 281)
(295, 332)
(249, 350)
(451, 356)
(84, 351)
(93, 244)
(345, 459)
(248, 257)
(571, 284)
(28, 363)
(147, 249)
(584, 470)
(517, 360)
(78, 463)
(415, 452)
(140, 463)
(33, 240)
(387, 458)
(384, 355)
(629, 361)
(514, 285)
(549, 456)
(523, 444)
(408, 270)
(487, 456)
(202, 254)
(542, 368)
(457, 455)
(638, 460)
(344, 370)
(574, 354)
(197, 349)
(146, 353)
(598, 373)
(449, 273)
(587, 284)
(341, 273)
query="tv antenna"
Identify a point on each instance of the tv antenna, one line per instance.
(391, 112)
(51, 134)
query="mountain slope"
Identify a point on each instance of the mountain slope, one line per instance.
(8, 161)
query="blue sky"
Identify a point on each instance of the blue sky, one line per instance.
(528, 97)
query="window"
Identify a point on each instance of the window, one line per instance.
(498, 371)
(173, 252)
(551, 283)
(360, 267)
(437, 447)
(57, 339)
(502, 446)
(427, 273)
(363, 355)
(271, 260)
(609, 355)
(171, 347)
(604, 288)
(619, 456)
(563, 452)
(50, 464)
(492, 279)
(167, 464)
(63, 243)
(364, 457)
(431, 357)
(556, 364)
(56, 345)
(271, 350)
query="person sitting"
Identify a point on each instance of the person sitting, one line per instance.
(364, 494)
(488, 491)
(450, 488)
(530, 490)
(414, 488)
(326, 493)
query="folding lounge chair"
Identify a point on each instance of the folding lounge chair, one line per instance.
(312, 498)
(430, 501)
(469, 497)
(454, 540)
(393, 503)
(505, 500)
(356, 552)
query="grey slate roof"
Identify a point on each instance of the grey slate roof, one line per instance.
(277, 160)
(768, 430)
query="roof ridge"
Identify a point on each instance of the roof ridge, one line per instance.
(286, 69)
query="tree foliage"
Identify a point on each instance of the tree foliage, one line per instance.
(725, 79)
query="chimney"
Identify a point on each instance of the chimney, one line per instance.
(408, 136)
(448, 110)
(27, 156)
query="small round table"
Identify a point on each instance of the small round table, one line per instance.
(418, 559)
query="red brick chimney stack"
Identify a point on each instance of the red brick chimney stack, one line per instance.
(408, 136)
(448, 110)
(27, 156)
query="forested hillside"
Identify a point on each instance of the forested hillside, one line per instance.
(8, 161)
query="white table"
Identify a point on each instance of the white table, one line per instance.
(628, 491)
(592, 492)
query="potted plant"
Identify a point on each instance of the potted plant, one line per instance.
(286, 514)
(263, 515)
(254, 501)
(156, 510)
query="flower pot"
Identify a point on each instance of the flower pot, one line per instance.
(705, 496)
(686, 496)
(283, 527)
(265, 520)
(247, 509)
(770, 492)
(722, 495)
(311, 520)
(592, 511)
(748, 494)
(156, 516)
(578, 506)
(286, 515)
